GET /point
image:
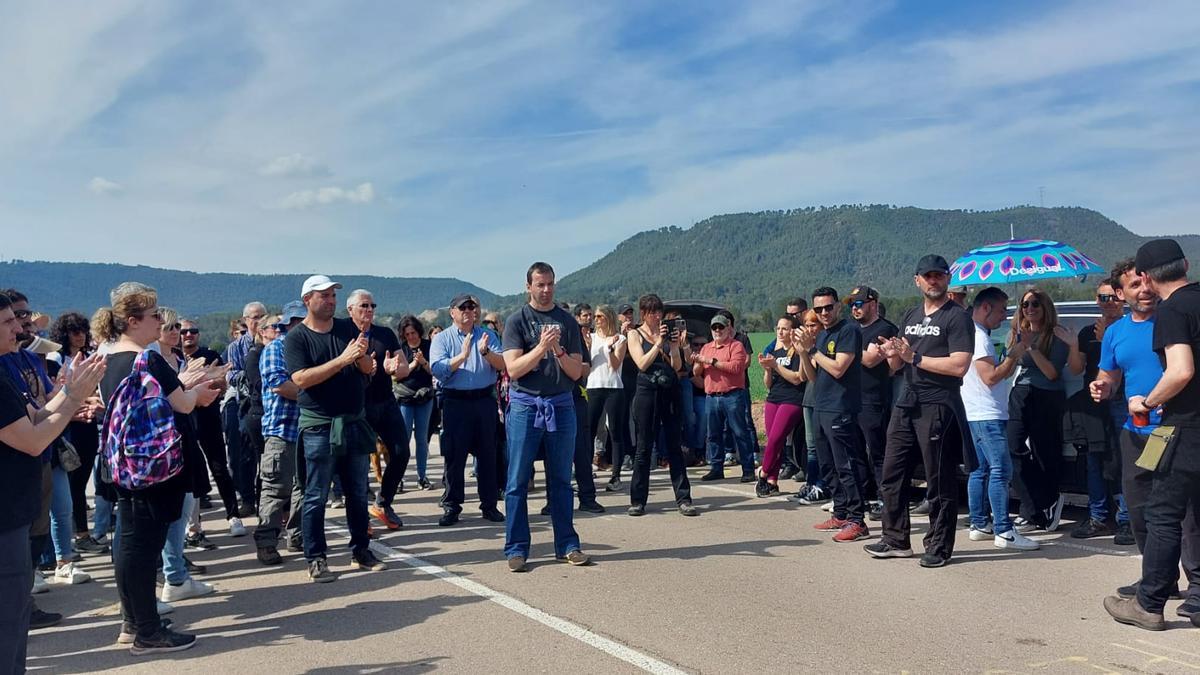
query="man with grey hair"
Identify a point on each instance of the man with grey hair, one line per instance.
(383, 411)
(241, 463)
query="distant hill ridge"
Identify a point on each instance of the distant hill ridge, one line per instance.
(55, 287)
(755, 261)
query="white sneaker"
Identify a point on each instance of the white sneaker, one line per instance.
(1016, 541)
(236, 529)
(163, 608)
(827, 507)
(70, 574)
(39, 583)
(980, 533)
(188, 589)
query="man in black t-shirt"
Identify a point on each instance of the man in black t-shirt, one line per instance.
(876, 382)
(836, 358)
(329, 361)
(934, 352)
(1176, 482)
(383, 412)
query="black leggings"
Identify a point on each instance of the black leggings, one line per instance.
(1036, 415)
(142, 537)
(212, 442)
(610, 405)
(652, 408)
(86, 439)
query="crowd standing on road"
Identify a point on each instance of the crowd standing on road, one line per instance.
(286, 423)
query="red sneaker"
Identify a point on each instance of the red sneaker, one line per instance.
(852, 532)
(832, 525)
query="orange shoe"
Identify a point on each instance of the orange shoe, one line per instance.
(832, 525)
(852, 531)
(386, 515)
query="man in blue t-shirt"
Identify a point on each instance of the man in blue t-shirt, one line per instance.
(1126, 355)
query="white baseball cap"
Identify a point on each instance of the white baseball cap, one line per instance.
(318, 282)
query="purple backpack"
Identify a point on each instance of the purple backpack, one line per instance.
(139, 442)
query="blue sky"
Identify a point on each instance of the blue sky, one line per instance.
(469, 139)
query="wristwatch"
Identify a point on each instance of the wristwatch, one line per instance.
(916, 359)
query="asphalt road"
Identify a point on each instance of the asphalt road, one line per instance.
(747, 586)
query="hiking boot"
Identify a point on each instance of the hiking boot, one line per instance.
(40, 619)
(1124, 535)
(493, 515)
(517, 564)
(931, 560)
(575, 558)
(852, 531)
(636, 510)
(832, 525)
(386, 515)
(366, 560)
(269, 555)
(318, 572)
(162, 642)
(1090, 528)
(88, 544)
(1129, 611)
(882, 549)
(688, 509)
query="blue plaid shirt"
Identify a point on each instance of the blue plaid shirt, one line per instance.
(281, 416)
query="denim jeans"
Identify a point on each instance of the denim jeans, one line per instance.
(727, 412)
(695, 436)
(174, 567)
(102, 517)
(1097, 488)
(523, 443)
(321, 465)
(814, 474)
(687, 412)
(61, 514)
(987, 487)
(416, 420)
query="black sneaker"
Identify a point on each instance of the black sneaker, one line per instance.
(1124, 535)
(637, 510)
(932, 560)
(366, 560)
(875, 512)
(1090, 528)
(88, 544)
(747, 477)
(921, 509)
(591, 507)
(714, 474)
(246, 510)
(129, 632)
(449, 517)
(206, 502)
(493, 514)
(882, 549)
(162, 642)
(40, 619)
(269, 555)
(193, 568)
(199, 541)
(761, 488)
(772, 490)
(613, 485)
(318, 572)
(788, 471)
(1190, 608)
(424, 484)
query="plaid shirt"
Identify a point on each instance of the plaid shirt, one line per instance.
(281, 416)
(235, 356)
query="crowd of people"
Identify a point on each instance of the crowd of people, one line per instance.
(287, 423)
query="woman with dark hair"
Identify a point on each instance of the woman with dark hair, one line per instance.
(784, 376)
(415, 393)
(654, 348)
(1036, 405)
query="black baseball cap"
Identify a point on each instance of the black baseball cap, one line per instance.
(933, 263)
(864, 293)
(463, 297)
(626, 307)
(1157, 253)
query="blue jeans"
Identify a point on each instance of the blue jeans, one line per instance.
(987, 486)
(729, 412)
(60, 514)
(174, 567)
(814, 474)
(523, 444)
(416, 419)
(320, 467)
(687, 411)
(696, 435)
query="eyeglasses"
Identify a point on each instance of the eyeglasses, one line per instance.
(468, 306)
(22, 313)
(822, 309)
(189, 331)
(1031, 304)
(1106, 297)
(367, 305)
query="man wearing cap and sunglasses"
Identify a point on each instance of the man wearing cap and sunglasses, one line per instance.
(465, 360)
(722, 363)
(927, 423)
(876, 382)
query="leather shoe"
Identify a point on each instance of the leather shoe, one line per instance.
(713, 475)
(448, 518)
(493, 515)
(591, 507)
(1129, 611)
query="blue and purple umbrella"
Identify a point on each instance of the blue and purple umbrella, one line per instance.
(1019, 260)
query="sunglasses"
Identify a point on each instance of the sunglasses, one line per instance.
(858, 304)
(189, 331)
(367, 305)
(22, 313)
(1031, 304)
(1106, 297)
(468, 306)
(171, 327)
(717, 327)
(822, 309)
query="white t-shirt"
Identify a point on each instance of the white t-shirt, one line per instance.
(982, 402)
(602, 375)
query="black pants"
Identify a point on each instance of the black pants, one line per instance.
(211, 437)
(1136, 483)
(653, 410)
(252, 449)
(1035, 415)
(873, 423)
(469, 428)
(839, 446)
(143, 534)
(86, 439)
(16, 577)
(1174, 497)
(585, 482)
(609, 406)
(927, 433)
(795, 452)
(385, 418)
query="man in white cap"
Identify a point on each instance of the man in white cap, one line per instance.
(327, 358)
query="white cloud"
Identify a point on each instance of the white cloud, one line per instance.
(103, 186)
(303, 199)
(294, 165)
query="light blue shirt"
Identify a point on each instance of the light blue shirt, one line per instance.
(475, 372)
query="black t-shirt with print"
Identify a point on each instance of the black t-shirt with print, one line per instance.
(843, 394)
(781, 390)
(877, 380)
(947, 330)
(20, 474)
(342, 394)
(523, 330)
(418, 378)
(1177, 322)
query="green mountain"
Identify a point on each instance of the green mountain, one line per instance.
(54, 287)
(755, 261)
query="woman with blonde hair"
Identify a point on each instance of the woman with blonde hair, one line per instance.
(1036, 405)
(606, 393)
